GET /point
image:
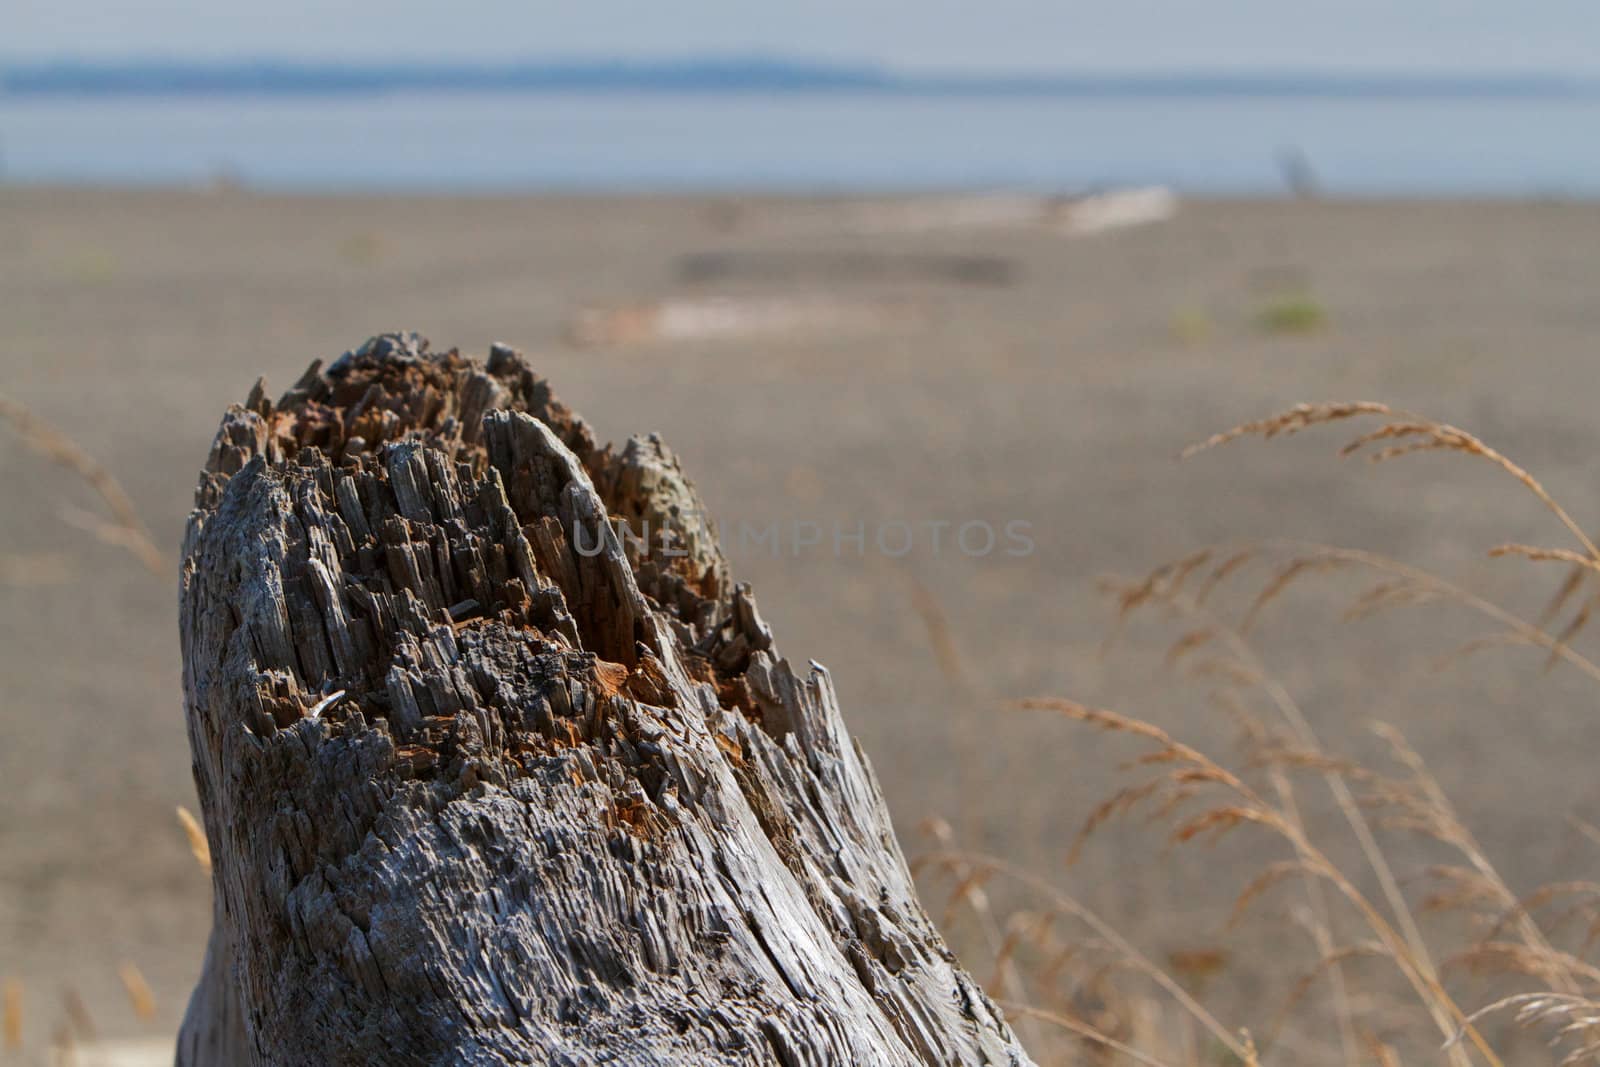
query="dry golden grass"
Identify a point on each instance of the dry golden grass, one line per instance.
(11, 1014)
(1389, 982)
(74, 1037)
(195, 834)
(140, 996)
(125, 529)
(1410, 432)
(78, 1018)
(1371, 984)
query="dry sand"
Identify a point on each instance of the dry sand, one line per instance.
(131, 319)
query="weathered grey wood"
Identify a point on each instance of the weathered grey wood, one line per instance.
(490, 779)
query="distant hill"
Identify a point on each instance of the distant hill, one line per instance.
(288, 77)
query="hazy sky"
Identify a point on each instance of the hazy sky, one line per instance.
(1432, 35)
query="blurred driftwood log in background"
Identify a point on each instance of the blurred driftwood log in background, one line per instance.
(846, 267)
(490, 778)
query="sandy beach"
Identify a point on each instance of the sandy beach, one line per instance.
(942, 378)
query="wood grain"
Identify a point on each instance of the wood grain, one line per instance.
(489, 778)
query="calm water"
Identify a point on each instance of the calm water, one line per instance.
(482, 142)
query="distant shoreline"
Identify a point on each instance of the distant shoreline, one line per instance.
(276, 78)
(753, 197)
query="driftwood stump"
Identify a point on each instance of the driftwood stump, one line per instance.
(490, 776)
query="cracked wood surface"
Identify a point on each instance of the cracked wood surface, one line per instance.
(498, 764)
